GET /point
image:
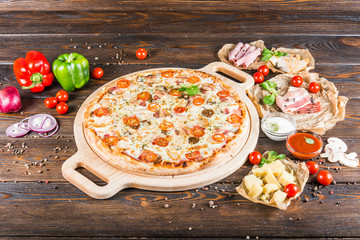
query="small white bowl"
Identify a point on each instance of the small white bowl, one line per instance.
(277, 136)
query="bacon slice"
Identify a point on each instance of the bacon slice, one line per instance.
(298, 101)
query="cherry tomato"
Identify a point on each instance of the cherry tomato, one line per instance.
(291, 189)
(223, 93)
(193, 155)
(97, 73)
(51, 102)
(148, 156)
(62, 108)
(233, 118)
(133, 121)
(314, 87)
(193, 79)
(218, 138)
(154, 107)
(167, 74)
(255, 157)
(144, 96)
(324, 177)
(179, 109)
(101, 111)
(162, 142)
(62, 96)
(141, 53)
(264, 70)
(166, 126)
(258, 77)
(123, 83)
(175, 92)
(197, 131)
(312, 166)
(297, 81)
(198, 101)
(111, 140)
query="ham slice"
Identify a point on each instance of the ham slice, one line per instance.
(298, 101)
(235, 51)
(251, 57)
(242, 51)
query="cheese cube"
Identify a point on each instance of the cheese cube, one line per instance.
(270, 178)
(277, 168)
(269, 188)
(286, 178)
(251, 180)
(279, 195)
(255, 191)
(260, 172)
(263, 197)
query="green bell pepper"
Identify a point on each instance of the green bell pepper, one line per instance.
(71, 71)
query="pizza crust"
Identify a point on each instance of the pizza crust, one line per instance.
(116, 158)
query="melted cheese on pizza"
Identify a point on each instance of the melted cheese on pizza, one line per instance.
(154, 117)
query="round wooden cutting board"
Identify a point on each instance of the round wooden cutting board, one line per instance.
(117, 179)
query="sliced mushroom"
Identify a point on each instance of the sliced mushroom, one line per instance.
(349, 161)
(338, 144)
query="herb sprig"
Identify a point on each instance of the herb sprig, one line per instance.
(272, 156)
(190, 90)
(271, 87)
(267, 54)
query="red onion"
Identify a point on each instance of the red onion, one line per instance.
(17, 130)
(9, 100)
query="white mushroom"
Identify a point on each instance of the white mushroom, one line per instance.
(349, 160)
(338, 144)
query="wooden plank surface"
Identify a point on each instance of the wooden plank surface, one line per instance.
(37, 202)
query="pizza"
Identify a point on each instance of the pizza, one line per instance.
(166, 122)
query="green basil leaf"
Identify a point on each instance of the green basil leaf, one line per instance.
(272, 155)
(183, 89)
(193, 90)
(263, 161)
(272, 84)
(265, 85)
(269, 99)
(266, 55)
(281, 156)
(309, 140)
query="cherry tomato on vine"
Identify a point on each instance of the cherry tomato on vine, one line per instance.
(97, 73)
(62, 108)
(258, 77)
(324, 177)
(264, 70)
(291, 190)
(314, 87)
(297, 81)
(62, 96)
(312, 166)
(141, 53)
(255, 157)
(50, 102)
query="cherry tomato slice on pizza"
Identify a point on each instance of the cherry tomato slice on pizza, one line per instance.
(233, 119)
(175, 92)
(148, 156)
(167, 74)
(223, 93)
(179, 109)
(193, 79)
(101, 111)
(154, 107)
(218, 138)
(162, 142)
(197, 131)
(193, 155)
(198, 101)
(123, 83)
(166, 126)
(111, 140)
(144, 96)
(132, 121)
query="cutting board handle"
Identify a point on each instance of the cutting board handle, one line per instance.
(99, 168)
(215, 67)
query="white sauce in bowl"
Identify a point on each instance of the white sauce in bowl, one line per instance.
(278, 125)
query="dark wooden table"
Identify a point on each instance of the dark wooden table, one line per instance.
(37, 202)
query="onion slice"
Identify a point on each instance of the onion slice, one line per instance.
(17, 130)
(46, 136)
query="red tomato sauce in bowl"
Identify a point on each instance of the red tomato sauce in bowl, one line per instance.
(304, 145)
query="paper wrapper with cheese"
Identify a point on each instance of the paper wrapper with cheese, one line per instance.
(301, 174)
(333, 106)
(223, 54)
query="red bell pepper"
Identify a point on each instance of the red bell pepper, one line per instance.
(33, 72)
